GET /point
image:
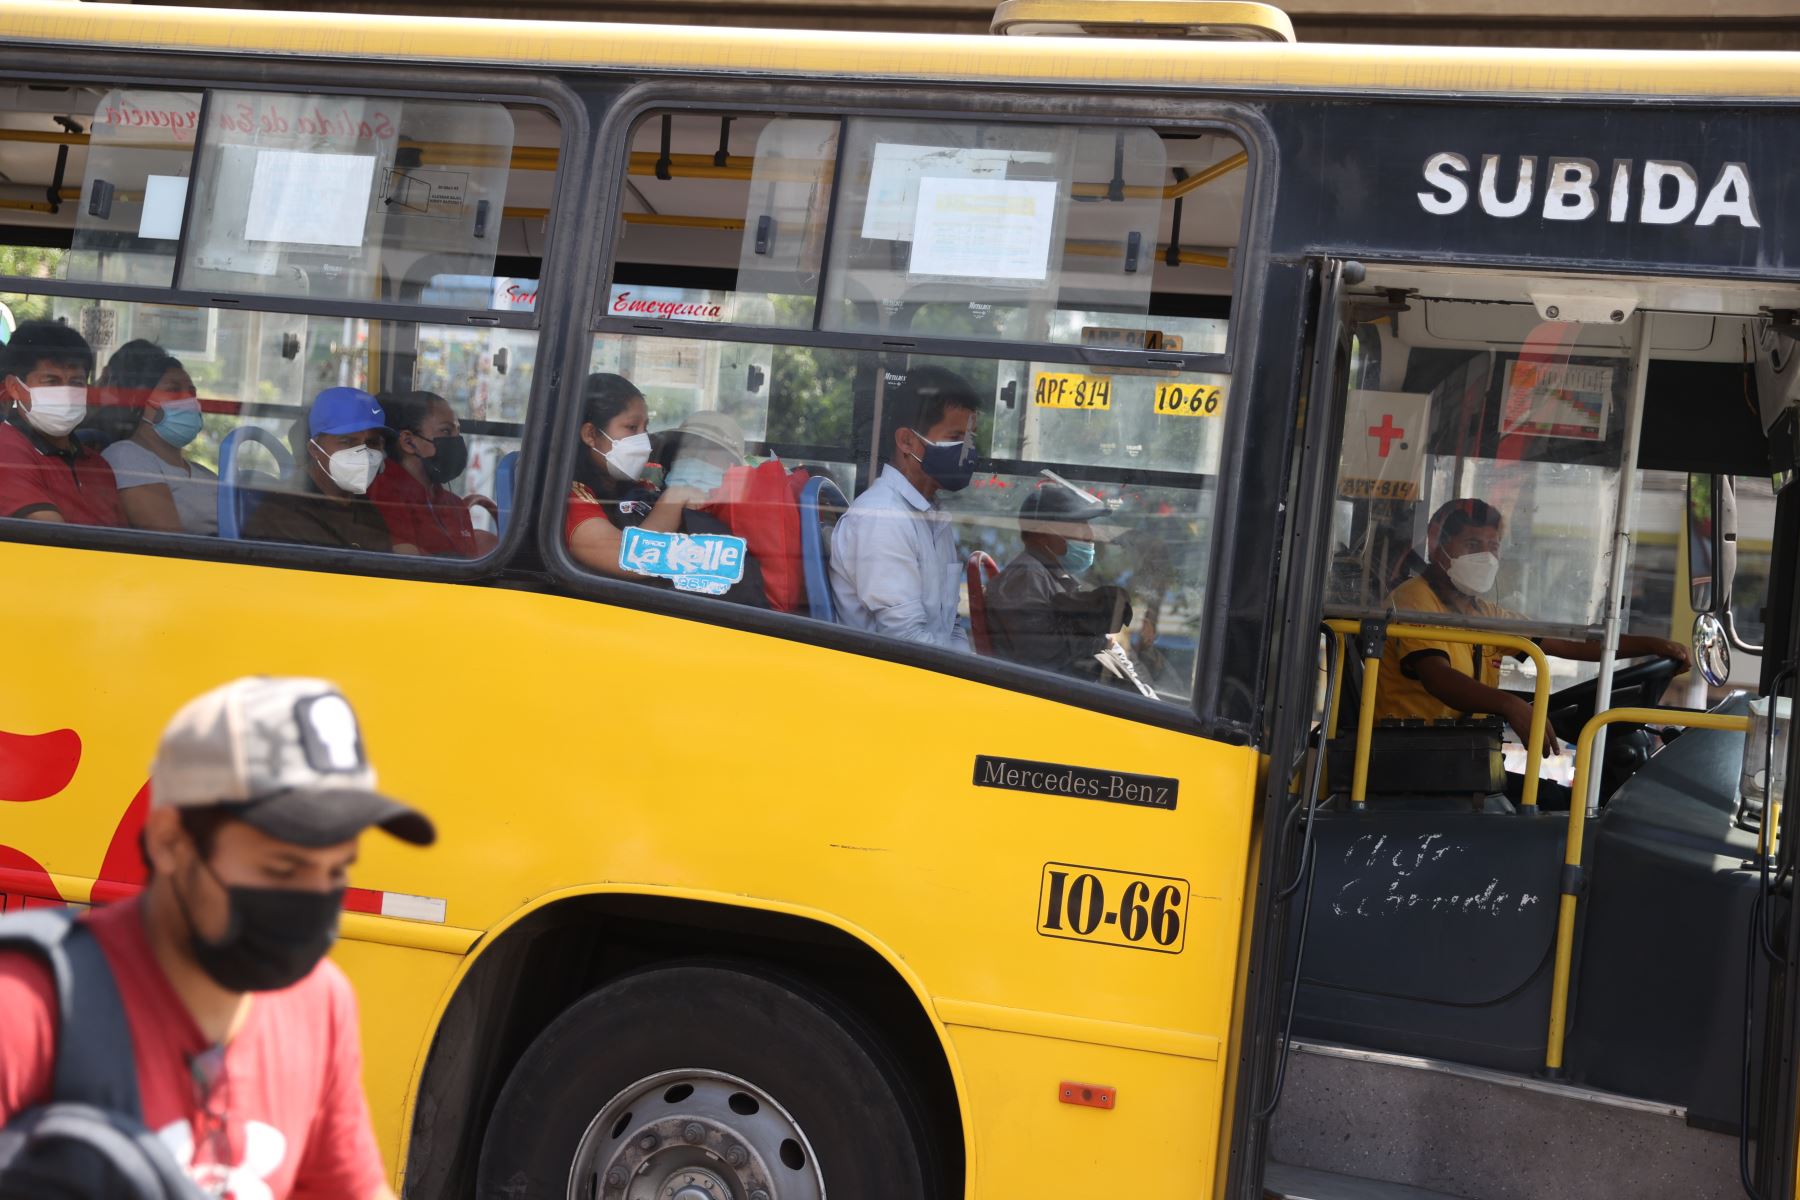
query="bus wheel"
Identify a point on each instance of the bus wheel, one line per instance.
(700, 1083)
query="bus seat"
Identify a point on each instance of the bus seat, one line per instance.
(504, 471)
(980, 568)
(235, 496)
(821, 503)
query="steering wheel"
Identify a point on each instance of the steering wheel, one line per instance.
(1647, 678)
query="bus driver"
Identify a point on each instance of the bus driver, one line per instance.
(1432, 679)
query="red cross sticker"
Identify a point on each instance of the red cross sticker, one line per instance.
(1387, 432)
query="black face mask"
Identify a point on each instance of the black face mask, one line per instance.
(273, 939)
(450, 461)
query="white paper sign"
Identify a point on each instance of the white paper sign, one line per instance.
(896, 169)
(984, 228)
(165, 196)
(1385, 435)
(300, 198)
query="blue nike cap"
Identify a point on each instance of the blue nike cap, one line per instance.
(344, 410)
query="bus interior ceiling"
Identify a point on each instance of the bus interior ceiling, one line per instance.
(1426, 972)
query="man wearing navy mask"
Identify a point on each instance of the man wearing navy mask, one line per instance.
(894, 564)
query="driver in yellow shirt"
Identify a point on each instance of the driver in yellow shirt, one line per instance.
(1430, 679)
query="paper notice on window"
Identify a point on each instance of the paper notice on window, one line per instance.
(165, 196)
(984, 228)
(305, 199)
(1557, 399)
(896, 169)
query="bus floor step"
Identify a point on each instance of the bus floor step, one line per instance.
(1283, 1182)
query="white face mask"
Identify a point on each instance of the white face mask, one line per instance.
(1473, 574)
(55, 411)
(628, 455)
(354, 469)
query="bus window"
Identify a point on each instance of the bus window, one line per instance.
(324, 196)
(1147, 531)
(262, 371)
(1755, 537)
(128, 220)
(1113, 238)
(1484, 401)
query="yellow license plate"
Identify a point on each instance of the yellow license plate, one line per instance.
(1114, 908)
(1055, 390)
(1189, 399)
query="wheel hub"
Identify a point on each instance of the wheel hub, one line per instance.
(694, 1135)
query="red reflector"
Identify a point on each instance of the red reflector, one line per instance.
(1086, 1094)
(362, 900)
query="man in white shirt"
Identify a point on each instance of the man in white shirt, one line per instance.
(895, 569)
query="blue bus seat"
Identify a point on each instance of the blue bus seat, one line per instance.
(820, 500)
(235, 498)
(504, 472)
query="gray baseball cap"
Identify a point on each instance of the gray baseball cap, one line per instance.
(285, 756)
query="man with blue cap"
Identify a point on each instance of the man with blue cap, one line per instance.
(326, 502)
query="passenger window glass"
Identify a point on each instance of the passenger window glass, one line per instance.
(1120, 239)
(180, 398)
(1148, 529)
(337, 196)
(128, 220)
(1755, 538)
(986, 230)
(1457, 401)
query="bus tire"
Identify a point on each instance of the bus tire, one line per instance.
(702, 1080)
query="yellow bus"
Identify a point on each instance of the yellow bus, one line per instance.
(759, 896)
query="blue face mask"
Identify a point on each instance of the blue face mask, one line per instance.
(950, 464)
(180, 422)
(1078, 559)
(693, 471)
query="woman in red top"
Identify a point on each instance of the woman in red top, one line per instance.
(607, 495)
(425, 450)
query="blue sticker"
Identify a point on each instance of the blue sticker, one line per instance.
(702, 562)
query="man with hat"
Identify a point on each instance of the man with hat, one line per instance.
(326, 503)
(245, 1042)
(1038, 612)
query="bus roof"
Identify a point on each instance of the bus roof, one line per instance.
(896, 56)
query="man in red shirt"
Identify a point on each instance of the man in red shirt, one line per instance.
(249, 1063)
(45, 474)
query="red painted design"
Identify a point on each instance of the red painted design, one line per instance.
(122, 871)
(37, 766)
(362, 900)
(23, 875)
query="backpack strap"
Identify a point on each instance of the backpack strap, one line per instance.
(95, 1063)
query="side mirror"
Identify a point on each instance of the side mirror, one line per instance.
(1712, 650)
(1706, 577)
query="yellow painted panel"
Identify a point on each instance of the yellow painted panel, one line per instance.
(1138, 63)
(1151, 1143)
(564, 746)
(398, 994)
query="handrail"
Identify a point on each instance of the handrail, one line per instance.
(1365, 728)
(1565, 913)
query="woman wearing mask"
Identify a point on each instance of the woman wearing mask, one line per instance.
(426, 451)
(607, 494)
(149, 404)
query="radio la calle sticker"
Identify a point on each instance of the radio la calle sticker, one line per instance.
(708, 563)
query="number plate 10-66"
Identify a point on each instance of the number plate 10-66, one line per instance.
(1115, 908)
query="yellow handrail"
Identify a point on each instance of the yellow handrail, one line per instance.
(1565, 912)
(1365, 728)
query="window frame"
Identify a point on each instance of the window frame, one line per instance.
(562, 256)
(840, 99)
